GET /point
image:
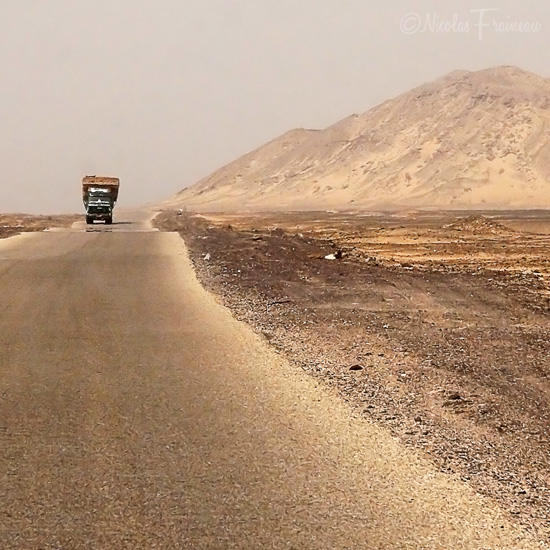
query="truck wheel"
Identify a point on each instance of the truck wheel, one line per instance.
(89, 220)
(108, 221)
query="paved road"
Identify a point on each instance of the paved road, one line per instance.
(136, 413)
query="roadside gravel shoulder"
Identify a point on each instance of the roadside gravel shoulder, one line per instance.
(303, 307)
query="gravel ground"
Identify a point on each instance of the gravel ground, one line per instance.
(14, 224)
(450, 355)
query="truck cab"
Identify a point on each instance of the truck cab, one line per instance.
(99, 195)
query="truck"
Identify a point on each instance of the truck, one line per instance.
(99, 194)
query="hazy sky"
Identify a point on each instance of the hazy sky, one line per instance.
(161, 93)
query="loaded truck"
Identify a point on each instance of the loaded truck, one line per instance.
(99, 195)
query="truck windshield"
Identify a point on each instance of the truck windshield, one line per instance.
(95, 192)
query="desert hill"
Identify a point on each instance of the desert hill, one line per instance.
(468, 140)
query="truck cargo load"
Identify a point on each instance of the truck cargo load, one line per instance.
(99, 194)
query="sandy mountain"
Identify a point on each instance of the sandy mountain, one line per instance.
(468, 140)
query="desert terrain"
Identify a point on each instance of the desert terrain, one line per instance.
(434, 325)
(14, 224)
(138, 413)
(386, 385)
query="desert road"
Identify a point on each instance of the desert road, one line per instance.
(137, 413)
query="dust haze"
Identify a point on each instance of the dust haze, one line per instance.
(162, 95)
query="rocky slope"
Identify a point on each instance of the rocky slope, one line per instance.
(468, 140)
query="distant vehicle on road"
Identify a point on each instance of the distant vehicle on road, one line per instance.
(99, 194)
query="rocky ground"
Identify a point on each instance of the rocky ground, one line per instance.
(13, 224)
(436, 326)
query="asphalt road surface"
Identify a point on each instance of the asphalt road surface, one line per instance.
(136, 413)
